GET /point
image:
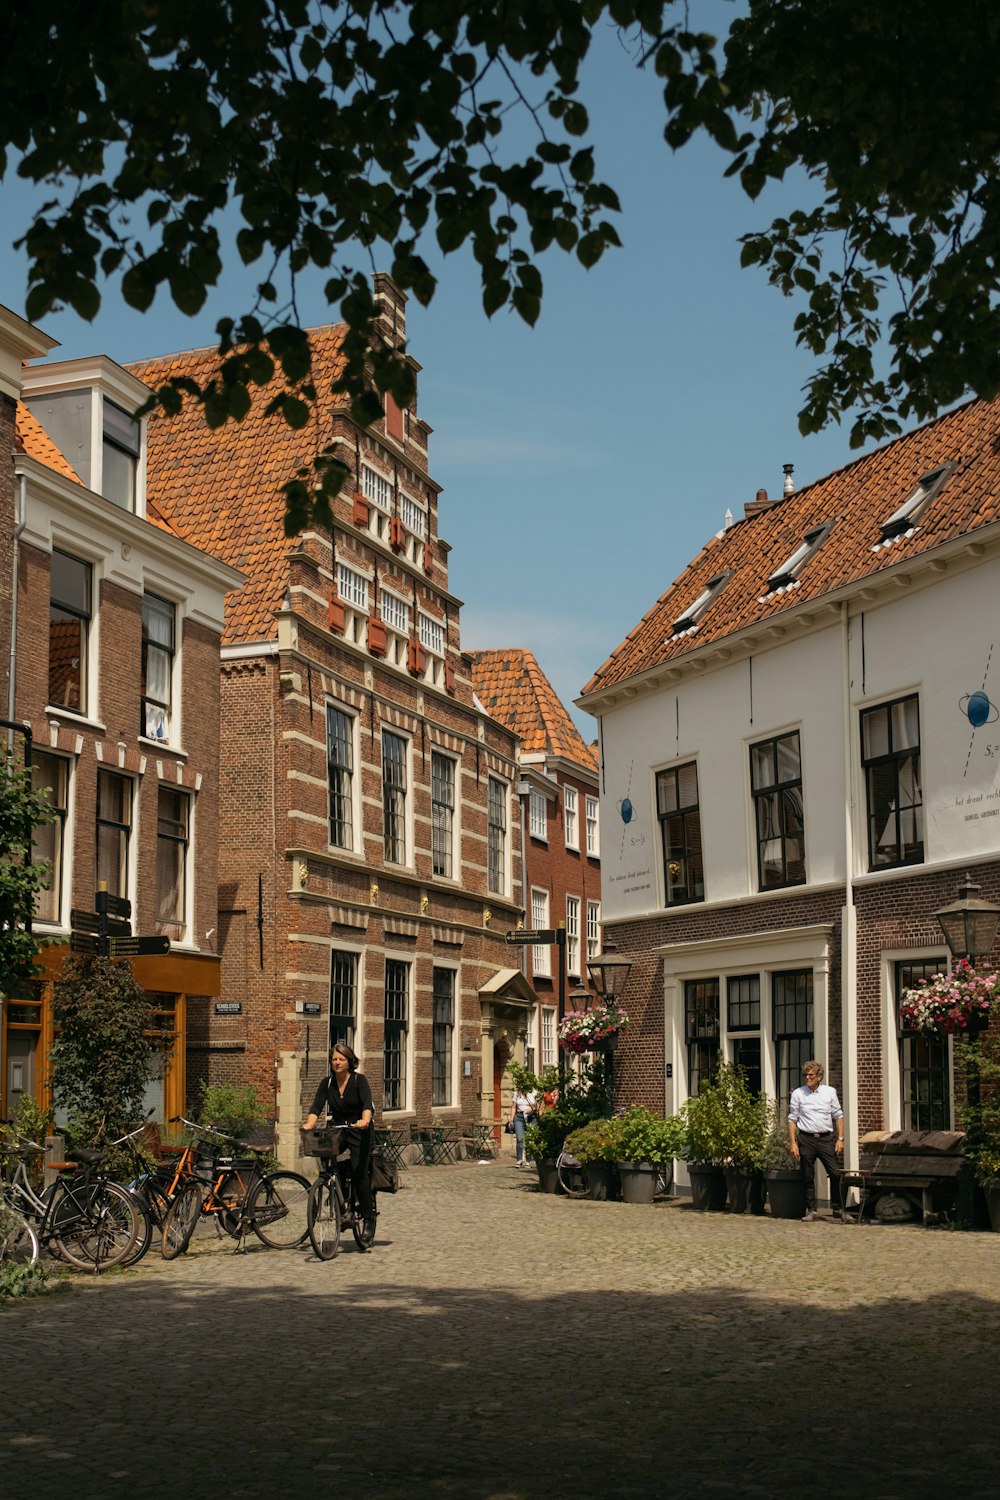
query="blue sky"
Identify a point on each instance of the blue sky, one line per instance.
(587, 460)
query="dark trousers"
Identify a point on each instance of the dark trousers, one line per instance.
(824, 1148)
(359, 1145)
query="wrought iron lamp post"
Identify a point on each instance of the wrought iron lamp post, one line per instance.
(609, 973)
(970, 929)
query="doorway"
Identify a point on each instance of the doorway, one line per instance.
(22, 1052)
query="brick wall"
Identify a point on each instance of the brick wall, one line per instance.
(7, 522)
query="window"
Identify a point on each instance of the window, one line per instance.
(593, 929)
(497, 836)
(340, 776)
(157, 666)
(701, 1030)
(393, 418)
(352, 587)
(541, 954)
(689, 619)
(69, 631)
(431, 634)
(569, 811)
(343, 998)
(397, 1012)
(442, 1036)
(376, 488)
(593, 827)
(792, 1029)
(924, 1071)
(548, 1036)
(114, 829)
(573, 935)
(394, 797)
(121, 456)
(395, 612)
(680, 833)
(442, 814)
(743, 1026)
(50, 777)
(412, 516)
(538, 816)
(173, 832)
(890, 755)
(783, 577)
(776, 782)
(910, 511)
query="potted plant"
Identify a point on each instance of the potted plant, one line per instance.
(785, 1185)
(726, 1125)
(646, 1144)
(587, 1030)
(596, 1149)
(977, 1065)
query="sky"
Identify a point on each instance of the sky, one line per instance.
(585, 461)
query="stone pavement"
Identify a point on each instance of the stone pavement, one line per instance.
(499, 1344)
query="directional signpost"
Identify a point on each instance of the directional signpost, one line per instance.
(106, 932)
(525, 937)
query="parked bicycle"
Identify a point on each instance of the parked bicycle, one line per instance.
(83, 1218)
(238, 1194)
(333, 1202)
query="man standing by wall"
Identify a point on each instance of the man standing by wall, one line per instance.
(816, 1129)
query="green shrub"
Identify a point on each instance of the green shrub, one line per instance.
(230, 1107)
(725, 1123)
(595, 1141)
(102, 1058)
(642, 1136)
(23, 1281)
(776, 1155)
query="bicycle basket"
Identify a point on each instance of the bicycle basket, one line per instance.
(322, 1142)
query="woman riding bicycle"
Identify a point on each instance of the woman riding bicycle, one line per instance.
(347, 1098)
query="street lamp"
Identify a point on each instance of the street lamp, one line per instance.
(580, 999)
(970, 929)
(609, 972)
(969, 926)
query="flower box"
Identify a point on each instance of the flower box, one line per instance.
(959, 1003)
(589, 1030)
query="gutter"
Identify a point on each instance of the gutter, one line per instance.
(21, 523)
(849, 925)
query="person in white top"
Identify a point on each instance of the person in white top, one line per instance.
(816, 1130)
(522, 1112)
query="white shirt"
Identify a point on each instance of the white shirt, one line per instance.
(815, 1109)
(525, 1103)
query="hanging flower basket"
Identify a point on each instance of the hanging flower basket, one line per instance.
(960, 1002)
(587, 1030)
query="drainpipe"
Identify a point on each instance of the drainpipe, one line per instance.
(22, 521)
(849, 923)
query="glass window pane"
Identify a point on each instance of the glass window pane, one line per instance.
(789, 762)
(874, 733)
(762, 765)
(905, 724)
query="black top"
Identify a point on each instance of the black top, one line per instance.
(346, 1108)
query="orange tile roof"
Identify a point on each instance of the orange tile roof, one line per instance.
(512, 688)
(221, 488)
(31, 439)
(857, 499)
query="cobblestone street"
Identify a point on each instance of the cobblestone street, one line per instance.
(500, 1344)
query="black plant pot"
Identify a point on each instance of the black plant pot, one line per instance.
(786, 1193)
(745, 1188)
(708, 1187)
(638, 1180)
(602, 1180)
(548, 1174)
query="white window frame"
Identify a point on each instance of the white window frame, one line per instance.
(593, 814)
(89, 685)
(456, 1034)
(541, 953)
(405, 1104)
(452, 837)
(354, 779)
(593, 929)
(413, 516)
(538, 815)
(432, 635)
(352, 588)
(376, 488)
(573, 935)
(407, 792)
(503, 861)
(549, 1051)
(179, 930)
(62, 840)
(571, 817)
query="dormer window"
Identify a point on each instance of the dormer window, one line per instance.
(689, 619)
(121, 456)
(789, 571)
(907, 516)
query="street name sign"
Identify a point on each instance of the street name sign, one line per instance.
(84, 942)
(535, 935)
(137, 947)
(84, 921)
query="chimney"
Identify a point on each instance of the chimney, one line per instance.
(391, 304)
(789, 470)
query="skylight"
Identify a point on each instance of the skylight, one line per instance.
(689, 619)
(908, 514)
(789, 571)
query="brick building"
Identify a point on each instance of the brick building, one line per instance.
(113, 664)
(798, 763)
(370, 857)
(559, 815)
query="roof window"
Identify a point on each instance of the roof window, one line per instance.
(788, 573)
(689, 619)
(906, 517)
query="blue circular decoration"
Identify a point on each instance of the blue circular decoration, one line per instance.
(977, 709)
(625, 808)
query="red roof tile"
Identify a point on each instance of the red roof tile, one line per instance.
(31, 439)
(512, 688)
(221, 488)
(857, 499)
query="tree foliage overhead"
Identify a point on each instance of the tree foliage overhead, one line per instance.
(345, 133)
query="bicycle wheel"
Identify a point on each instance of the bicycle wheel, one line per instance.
(182, 1216)
(279, 1210)
(98, 1225)
(664, 1180)
(144, 1237)
(572, 1177)
(324, 1217)
(18, 1241)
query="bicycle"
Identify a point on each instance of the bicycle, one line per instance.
(18, 1240)
(82, 1218)
(240, 1196)
(330, 1208)
(572, 1175)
